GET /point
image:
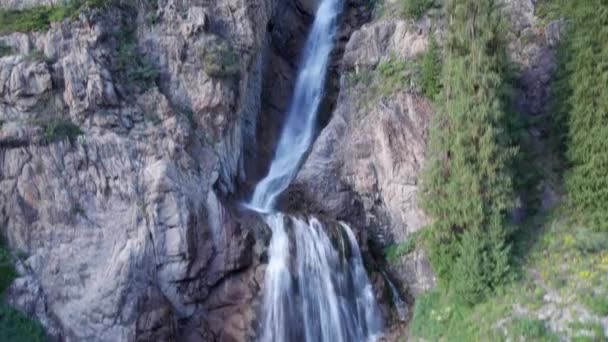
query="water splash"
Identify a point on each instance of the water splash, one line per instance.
(316, 294)
(299, 129)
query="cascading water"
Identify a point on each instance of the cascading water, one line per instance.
(313, 292)
(322, 294)
(299, 128)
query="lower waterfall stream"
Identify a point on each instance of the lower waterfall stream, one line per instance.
(316, 288)
(328, 297)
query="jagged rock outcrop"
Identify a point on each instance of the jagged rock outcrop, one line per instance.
(364, 166)
(121, 232)
(122, 133)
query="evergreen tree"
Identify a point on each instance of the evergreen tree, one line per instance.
(584, 98)
(431, 70)
(467, 184)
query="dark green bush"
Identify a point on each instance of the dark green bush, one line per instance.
(14, 326)
(221, 62)
(7, 272)
(415, 8)
(130, 65)
(59, 129)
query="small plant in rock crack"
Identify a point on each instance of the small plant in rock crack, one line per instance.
(221, 61)
(130, 65)
(5, 50)
(58, 129)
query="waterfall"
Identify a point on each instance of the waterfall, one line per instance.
(315, 293)
(299, 129)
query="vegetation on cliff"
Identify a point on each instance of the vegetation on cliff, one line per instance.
(39, 18)
(14, 326)
(554, 271)
(468, 186)
(582, 100)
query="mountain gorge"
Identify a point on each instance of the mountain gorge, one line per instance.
(134, 132)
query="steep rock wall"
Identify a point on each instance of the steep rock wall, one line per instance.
(121, 233)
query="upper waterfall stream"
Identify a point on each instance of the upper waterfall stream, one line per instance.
(299, 128)
(316, 288)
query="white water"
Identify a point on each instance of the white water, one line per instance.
(399, 304)
(313, 292)
(299, 129)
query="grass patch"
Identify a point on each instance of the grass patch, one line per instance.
(550, 251)
(527, 329)
(389, 76)
(437, 317)
(39, 18)
(597, 304)
(587, 332)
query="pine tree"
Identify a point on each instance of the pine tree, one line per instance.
(585, 100)
(467, 184)
(431, 70)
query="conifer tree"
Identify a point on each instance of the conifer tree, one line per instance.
(585, 63)
(467, 184)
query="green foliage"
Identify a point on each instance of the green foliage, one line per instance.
(598, 304)
(415, 8)
(528, 329)
(430, 71)
(5, 50)
(364, 76)
(130, 65)
(59, 129)
(14, 326)
(583, 99)
(39, 18)
(7, 272)
(468, 182)
(221, 62)
(588, 241)
(396, 251)
(588, 332)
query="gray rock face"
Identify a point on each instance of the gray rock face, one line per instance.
(123, 235)
(364, 166)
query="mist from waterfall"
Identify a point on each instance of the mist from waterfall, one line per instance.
(299, 128)
(315, 292)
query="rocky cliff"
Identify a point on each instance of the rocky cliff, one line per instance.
(121, 131)
(131, 130)
(126, 131)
